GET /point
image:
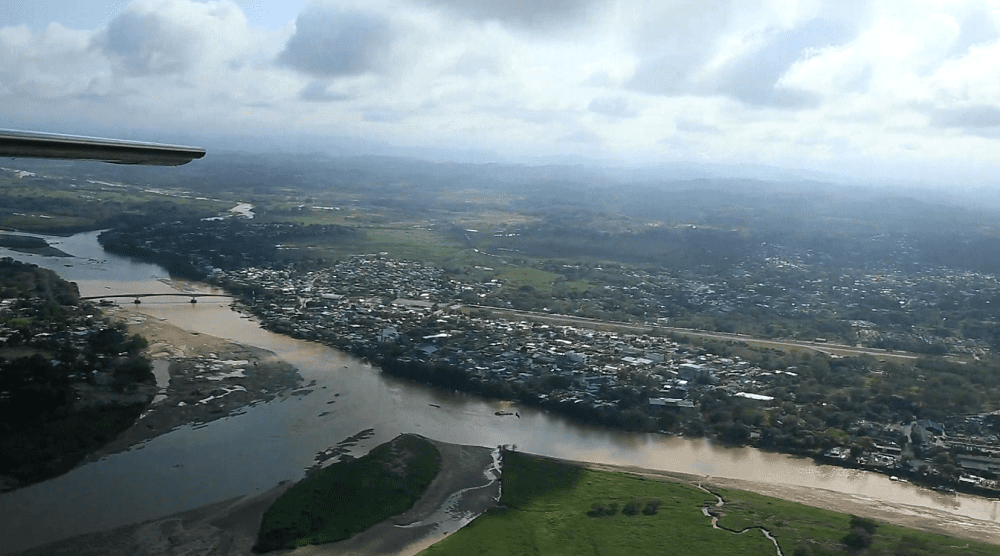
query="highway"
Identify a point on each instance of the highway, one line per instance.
(822, 347)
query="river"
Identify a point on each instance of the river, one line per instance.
(254, 450)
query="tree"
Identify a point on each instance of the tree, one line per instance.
(858, 539)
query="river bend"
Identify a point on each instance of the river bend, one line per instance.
(267, 443)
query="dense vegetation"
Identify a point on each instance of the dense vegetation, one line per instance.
(68, 378)
(351, 496)
(554, 508)
(43, 203)
(192, 247)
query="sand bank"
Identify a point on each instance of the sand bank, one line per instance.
(229, 528)
(209, 378)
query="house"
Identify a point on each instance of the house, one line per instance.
(984, 464)
(427, 349)
(931, 426)
(671, 402)
(388, 334)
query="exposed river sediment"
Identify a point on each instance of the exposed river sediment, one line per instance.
(253, 450)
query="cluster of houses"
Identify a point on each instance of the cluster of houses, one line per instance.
(865, 302)
(22, 325)
(967, 457)
(373, 305)
(411, 312)
(76, 343)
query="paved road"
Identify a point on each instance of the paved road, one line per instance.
(823, 347)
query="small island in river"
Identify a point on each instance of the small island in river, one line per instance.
(547, 506)
(30, 244)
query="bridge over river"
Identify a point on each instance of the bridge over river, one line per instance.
(136, 296)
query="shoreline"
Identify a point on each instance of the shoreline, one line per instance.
(209, 378)
(914, 517)
(229, 527)
(168, 337)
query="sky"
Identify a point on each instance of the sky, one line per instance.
(905, 89)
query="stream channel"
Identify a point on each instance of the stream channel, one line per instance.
(253, 450)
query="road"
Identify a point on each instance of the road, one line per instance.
(822, 347)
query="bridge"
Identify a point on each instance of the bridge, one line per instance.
(136, 296)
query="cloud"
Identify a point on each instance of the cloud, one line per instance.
(976, 28)
(52, 63)
(695, 126)
(970, 117)
(581, 137)
(159, 37)
(471, 62)
(853, 78)
(615, 107)
(384, 115)
(330, 42)
(753, 74)
(318, 91)
(666, 75)
(527, 14)
(753, 77)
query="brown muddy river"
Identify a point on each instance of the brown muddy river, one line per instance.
(254, 450)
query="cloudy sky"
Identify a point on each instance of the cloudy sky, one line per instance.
(864, 86)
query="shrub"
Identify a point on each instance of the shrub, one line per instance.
(602, 510)
(864, 523)
(651, 507)
(631, 508)
(858, 538)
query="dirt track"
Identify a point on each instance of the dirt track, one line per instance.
(229, 528)
(461, 468)
(914, 517)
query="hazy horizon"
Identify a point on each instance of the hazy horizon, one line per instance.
(863, 90)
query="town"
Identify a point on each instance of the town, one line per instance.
(583, 313)
(409, 318)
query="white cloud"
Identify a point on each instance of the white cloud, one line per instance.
(794, 82)
(176, 36)
(329, 41)
(53, 63)
(615, 107)
(529, 14)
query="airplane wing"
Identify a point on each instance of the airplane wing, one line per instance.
(25, 144)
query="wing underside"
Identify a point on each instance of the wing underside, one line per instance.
(24, 144)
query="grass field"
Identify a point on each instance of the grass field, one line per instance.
(553, 508)
(515, 277)
(349, 497)
(59, 205)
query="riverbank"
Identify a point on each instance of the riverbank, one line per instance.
(771, 395)
(184, 348)
(229, 528)
(30, 244)
(209, 378)
(554, 506)
(921, 518)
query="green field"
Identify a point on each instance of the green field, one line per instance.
(553, 508)
(60, 205)
(349, 497)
